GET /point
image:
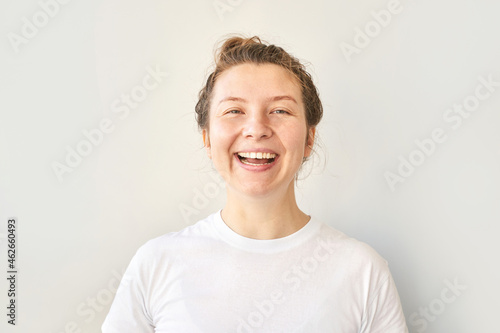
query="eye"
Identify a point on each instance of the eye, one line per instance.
(281, 111)
(234, 111)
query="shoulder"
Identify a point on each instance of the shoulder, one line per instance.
(190, 236)
(350, 251)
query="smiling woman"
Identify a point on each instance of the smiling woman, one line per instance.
(260, 264)
(257, 109)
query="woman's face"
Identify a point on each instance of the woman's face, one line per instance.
(257, 129)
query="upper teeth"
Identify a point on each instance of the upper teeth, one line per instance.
(258, 155)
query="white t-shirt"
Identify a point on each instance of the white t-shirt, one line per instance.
(207, 278)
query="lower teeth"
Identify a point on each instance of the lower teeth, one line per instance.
(248, 163)
(245, 161)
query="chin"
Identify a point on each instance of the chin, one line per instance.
(256, 191)
(262, 191)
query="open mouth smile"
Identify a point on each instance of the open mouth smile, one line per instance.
(256, 158)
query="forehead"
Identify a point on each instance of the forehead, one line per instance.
(256, 81)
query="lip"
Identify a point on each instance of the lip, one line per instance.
(256, 168)
(257, 150)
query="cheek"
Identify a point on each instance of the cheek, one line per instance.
(295, 140)
(221, 141)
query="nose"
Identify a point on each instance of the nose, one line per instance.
(257, 127)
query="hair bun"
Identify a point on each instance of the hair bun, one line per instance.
(238, 41)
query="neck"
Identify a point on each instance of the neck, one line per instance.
(268, 217)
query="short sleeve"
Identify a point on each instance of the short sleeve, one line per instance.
(129, 310)
(384, 313)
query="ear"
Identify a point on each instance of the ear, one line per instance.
(206, 143)
(309, 141)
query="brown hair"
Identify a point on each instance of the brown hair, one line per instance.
(239, 50)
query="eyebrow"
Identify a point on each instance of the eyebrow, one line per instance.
(271, 99)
